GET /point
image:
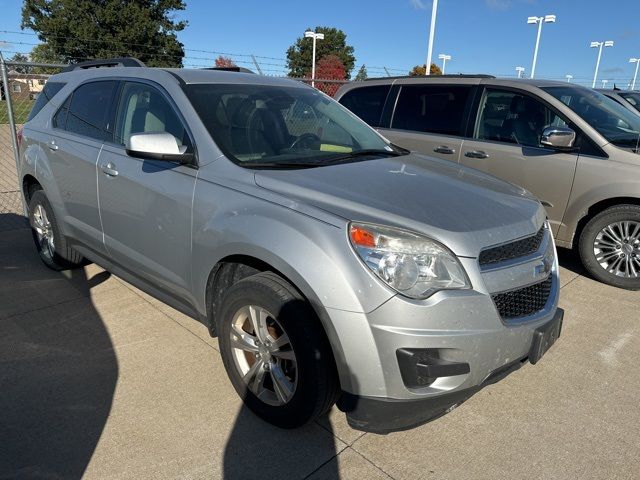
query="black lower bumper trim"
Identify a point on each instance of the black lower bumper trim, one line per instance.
(384, 415)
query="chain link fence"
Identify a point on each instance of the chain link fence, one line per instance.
(20, 85)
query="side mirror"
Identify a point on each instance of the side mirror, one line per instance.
(559, 138)
(158, 146)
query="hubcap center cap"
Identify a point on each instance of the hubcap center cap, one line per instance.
(264, 354)
(627, 248)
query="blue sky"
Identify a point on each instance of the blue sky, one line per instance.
(483, 36)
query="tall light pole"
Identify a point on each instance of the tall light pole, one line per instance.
(635, 75)
(569, 77)
(539, 21)
(315, 36)
(604, 83)
(444, 59)
(599, 45)
(432, 32)
(520, 71)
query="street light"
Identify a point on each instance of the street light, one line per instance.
(635, 75)
(539, 21)
(432, 32)
(444, 59)
(604, 83)
(520, 71)
(599, 45)
(315, 36)
(569, 77)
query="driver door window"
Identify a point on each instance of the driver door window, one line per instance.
(143, 109)
(511, 117)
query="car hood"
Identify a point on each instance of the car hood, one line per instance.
(463, 208)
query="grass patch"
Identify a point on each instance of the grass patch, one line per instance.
(21, 109)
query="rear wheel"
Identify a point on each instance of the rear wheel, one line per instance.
(275, 352)
(50, 243)
(610, 246)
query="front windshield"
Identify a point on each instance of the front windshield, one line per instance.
(633, 98)
(617, 124)
(281, 125)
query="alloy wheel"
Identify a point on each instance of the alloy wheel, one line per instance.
(44, 231)
(263, 355)
(617, 249)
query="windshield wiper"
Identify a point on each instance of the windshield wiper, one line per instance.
(368, 152)
(283, 165)
(331, 160)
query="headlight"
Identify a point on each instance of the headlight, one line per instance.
(411, 264)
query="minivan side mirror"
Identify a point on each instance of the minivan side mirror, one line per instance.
(559, 138)
(158, 146)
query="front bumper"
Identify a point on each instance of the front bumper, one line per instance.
(384, 415)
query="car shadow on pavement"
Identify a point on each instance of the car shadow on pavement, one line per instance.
(256, 449)
(570, 260)
(58, 369)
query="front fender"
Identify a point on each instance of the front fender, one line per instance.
(314, 255)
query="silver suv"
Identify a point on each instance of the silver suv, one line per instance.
(332, 265)
(573, 148)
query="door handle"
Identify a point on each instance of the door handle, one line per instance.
(476, 154)
(109, 169)
(444, 149)
(52, 145)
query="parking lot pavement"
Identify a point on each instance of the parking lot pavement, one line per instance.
(100, 380)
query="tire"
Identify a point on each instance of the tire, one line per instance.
(310, 379)
(613, 255)
(52, 246)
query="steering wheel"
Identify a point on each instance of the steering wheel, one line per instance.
(306, 141)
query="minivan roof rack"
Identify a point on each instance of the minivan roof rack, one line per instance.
(453, 75)
(230, 69)
(109, 62)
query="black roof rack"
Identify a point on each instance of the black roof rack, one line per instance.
(109, 62)
(453, 75)
(230, 69)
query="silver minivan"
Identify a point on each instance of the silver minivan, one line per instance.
(332, 265)
(572, 147)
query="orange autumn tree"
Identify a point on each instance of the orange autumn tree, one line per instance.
(330, 67)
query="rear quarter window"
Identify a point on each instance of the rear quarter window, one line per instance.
(367, 102)
(48, 92)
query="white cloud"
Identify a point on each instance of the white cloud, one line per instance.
(419, 4)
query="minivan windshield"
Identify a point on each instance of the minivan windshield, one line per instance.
(283, 126)
(633, 98)
(616, 123)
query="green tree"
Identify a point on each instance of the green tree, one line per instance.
(421, 70)
(43, 53)
(19, 57)
(75, 30)
(335, 43)
(362, 74)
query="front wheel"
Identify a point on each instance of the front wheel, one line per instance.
(609, 246)
(275, 351)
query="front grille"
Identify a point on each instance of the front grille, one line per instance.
(509, 251)
(524, 301)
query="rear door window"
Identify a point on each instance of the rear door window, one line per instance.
(47, 93)
(367, 102)
(438, 109)
(86, 112)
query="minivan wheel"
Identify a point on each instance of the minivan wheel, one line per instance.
(610, 246)
(275, 351)
(50, 243)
